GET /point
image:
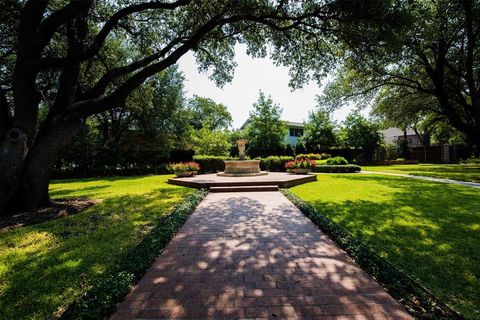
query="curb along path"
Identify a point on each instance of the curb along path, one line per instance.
(255, 255)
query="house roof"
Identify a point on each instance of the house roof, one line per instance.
(396, 132)
(288, 123)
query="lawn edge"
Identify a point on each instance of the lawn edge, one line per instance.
(102, 299)
(418, 300)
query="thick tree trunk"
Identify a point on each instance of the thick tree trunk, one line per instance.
(26, 181)
(13, 152)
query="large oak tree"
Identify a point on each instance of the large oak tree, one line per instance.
(433, 73)
(61, 55)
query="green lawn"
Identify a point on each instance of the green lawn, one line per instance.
(429, 230)
(470, 172)
(44, 267)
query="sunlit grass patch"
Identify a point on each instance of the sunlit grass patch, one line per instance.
(428, 230)
(462, 172)
(44, 267)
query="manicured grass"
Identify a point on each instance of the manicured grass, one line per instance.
(428, 230)
(45, 267)
(470, 172)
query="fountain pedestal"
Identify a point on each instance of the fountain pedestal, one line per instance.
(242, 168)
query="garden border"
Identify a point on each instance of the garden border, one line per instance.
(102, 299)
(418, 300)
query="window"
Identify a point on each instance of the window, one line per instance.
(295, 132)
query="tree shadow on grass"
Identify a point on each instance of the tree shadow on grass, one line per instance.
(429, 230)
(46, 266)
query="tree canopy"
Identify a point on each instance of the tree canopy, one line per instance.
(82, 58)
(430, 71)
(319, 131)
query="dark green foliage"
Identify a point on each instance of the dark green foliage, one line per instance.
(211, 164)
(403, 151)
(345, 168)
(274, 163)
(418, 300)
(101, 300)
(335, 161)
(301, 147)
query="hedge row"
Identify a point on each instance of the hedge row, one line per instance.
(418, 300)
(211, 164)
(274, 163)
(313, 156)
(346, 168)
(101, 300)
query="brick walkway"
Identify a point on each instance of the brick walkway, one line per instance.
(255, 255)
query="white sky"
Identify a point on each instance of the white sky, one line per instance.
(252, 75)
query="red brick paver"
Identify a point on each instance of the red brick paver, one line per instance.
(255, 255)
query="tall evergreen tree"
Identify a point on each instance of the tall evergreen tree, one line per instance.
(266, 130)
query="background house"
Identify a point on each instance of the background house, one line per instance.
(294, 132)
(392, 135)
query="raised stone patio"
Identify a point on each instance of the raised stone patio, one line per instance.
(280, 179)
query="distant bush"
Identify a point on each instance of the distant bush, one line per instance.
(471, 160)
(347, 168)
(274, 163)
(211, 164)
(336, 161)
(313, 156)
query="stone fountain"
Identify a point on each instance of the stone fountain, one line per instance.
(242, 167)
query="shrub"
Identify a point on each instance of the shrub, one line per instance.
(183, 167)
(336, 161)
(313, 156)
(346, 168)
(211, 163)
(274, 163)
(471, 160)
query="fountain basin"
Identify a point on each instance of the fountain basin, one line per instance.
(242, 168)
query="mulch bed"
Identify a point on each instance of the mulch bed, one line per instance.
(59, 208)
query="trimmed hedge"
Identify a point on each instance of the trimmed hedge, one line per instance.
(336, 161)
(274, 163)
(101, 300)
(313, 156)
(346, 168)
(417, 299)
(211, 164)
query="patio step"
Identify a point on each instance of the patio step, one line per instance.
(244, 188)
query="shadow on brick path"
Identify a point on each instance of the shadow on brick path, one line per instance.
(255, 255)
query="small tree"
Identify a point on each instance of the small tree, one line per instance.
(265, 131)
(360, 133)
(319, 131)
(206, 112)
(211, 142)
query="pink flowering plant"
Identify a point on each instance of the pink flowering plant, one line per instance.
(180, 167)
(300, 164)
